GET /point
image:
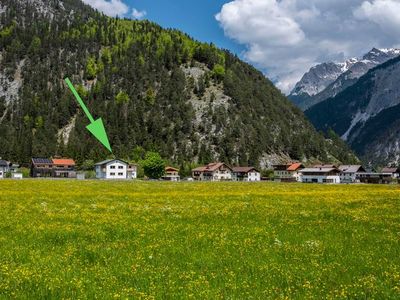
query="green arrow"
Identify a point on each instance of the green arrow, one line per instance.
(95, 127)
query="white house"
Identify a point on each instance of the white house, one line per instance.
(349, 173)
(213, 172)
(17, 175)
(4, 168)
(114, 169)
(245, 174)
(320, 175)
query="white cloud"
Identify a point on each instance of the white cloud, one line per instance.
(138, 14)
(385, 13)
(287, 37)
(110, 8)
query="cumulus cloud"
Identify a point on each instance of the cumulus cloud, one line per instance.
(138, 14)
(385, 13)
(287, 37)
(110, 8)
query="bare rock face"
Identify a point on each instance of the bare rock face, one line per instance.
(366, 114)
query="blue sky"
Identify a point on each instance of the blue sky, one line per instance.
(197, 18)
(282, 38)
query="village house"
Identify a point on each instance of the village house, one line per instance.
(374, 178)
(393, 172)
(41, 167)
(245, 174)
(64, 168)
(171, 174)
(213, 172)
(115, 169)
(350, 173)
(320, 175)
(288, 172)
(132, 171)
(4, 168)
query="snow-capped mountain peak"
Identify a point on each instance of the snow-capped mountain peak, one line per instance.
(328, 79)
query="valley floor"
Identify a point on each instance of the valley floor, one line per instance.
(146, 240)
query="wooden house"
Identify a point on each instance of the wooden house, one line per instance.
(394, 172)
(41, 167)
(171, 174)
(64, 168)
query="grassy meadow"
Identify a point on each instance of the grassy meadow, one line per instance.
(153, 240)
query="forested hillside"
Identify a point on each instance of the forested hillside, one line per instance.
(155, 89)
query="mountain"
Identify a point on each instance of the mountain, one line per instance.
(367, 114)
(323, 82)
(155, 89)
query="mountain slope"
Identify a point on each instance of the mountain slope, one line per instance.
(155, 89)
(336, 79)
(366, 114)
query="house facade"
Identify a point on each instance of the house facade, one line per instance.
(320, 175)
(4, 168)
(112, 169)
(288, 172)
(393, 172)
(374, 178)
(350, 173)
(64, 168)
(245, 174)
(213, 172)
(171, 174)
(41, 167)
(132, 171)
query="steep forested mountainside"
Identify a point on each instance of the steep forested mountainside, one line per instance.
(155, 89)
(366, 114)
(323, 82)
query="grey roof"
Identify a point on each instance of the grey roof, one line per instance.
(351, 168)
(3, 163)
(243, 169)
(390, 170)
(40, 160)
(104, 162)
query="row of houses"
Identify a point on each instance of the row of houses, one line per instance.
(334, 174)
(218, 171)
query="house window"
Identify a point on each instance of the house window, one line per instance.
(112, 167)
(120, 167)
(112, 174)
(120, 174)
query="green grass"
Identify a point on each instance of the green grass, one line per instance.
(96, 239)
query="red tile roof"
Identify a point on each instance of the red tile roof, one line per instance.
(295, 166)
(63, 162)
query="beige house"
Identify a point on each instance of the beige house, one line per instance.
(213, 172)
(288, 172)
(171, 174)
